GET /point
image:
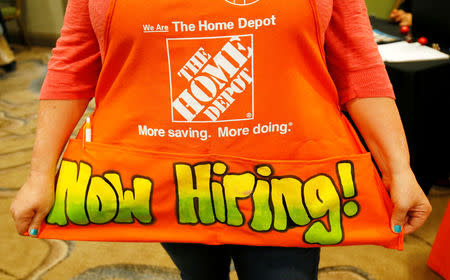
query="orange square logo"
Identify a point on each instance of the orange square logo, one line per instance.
(211, 78)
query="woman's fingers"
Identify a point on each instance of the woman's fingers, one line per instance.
(398, 217)
(411, 206)
(410, 215)
(35, 224)
(417, 217)
(397, 15)
(393, 14)
(22, 219)
(406, 19)
(409, 219)
(32, 203)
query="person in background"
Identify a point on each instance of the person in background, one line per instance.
(7, 59)
(402, 13)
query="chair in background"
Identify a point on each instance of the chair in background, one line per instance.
(12, 10)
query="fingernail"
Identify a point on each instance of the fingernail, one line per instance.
(33, 232)
(397, 229)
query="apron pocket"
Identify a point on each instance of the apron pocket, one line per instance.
(113, 193)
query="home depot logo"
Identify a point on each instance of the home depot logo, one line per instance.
(211, 88)
(242, 2)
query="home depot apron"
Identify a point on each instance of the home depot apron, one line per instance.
(218, 123)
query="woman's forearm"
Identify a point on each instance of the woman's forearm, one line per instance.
(56, 121)
(379, 122)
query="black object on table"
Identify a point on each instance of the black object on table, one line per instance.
(422, 91)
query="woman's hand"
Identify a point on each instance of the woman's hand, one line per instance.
(396, 14)
(411, 206)
(379, 122)
(401, 17)
(56, 120)
(32, 203)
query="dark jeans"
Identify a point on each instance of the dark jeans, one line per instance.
(199, 261)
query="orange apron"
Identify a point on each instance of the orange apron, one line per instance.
(218, 123)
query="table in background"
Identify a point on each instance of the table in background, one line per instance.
(422, 91)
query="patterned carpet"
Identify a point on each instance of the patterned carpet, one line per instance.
(27, 258)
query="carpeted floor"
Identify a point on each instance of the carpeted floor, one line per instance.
(27, 258)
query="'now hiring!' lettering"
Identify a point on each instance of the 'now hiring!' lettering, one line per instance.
(208, 193)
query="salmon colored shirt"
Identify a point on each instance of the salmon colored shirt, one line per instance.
(351, 52)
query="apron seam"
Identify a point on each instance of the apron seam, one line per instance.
(107, 30)
(313, 5)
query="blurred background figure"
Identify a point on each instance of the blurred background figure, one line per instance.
(401, 13)
(7, 59)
